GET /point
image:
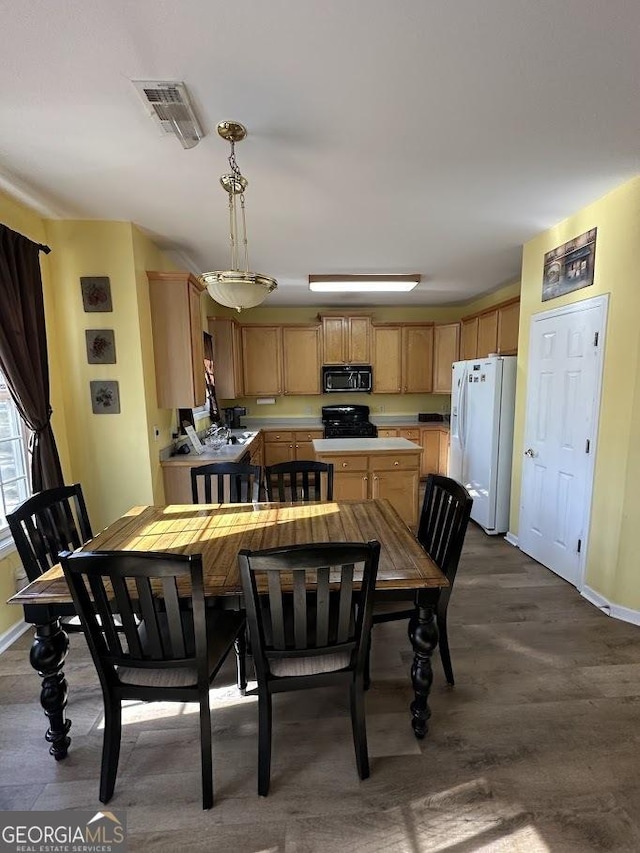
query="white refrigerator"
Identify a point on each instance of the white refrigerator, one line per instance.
(482, 411)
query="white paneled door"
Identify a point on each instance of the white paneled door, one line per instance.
(563, 391)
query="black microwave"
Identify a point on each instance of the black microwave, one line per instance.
(352, 377)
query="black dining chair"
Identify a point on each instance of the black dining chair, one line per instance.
(225, 482)
(314, 633)
(168, 651)
(45, 524)
(299, 481)
(441, 531)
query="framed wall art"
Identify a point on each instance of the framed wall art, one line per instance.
(96, 293)
(570, 266)
(105, 397)
(101, 346)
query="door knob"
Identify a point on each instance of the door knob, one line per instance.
(530, 452)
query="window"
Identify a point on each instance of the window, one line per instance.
(14, 457)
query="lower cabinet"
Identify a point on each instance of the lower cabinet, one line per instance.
(390, 475)
(435, 446)
(289, 445)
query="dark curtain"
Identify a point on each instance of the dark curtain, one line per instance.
(23, 350)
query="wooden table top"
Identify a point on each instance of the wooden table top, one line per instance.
(219, 531)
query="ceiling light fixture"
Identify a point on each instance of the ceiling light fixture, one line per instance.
(237, 288)
(363, 283)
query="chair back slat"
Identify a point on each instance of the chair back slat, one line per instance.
(102, 616)
(322, 606)
(443, 522)
(300, 609)
(320, 610)
(276, 609)
(127, 615)
(148, 614)
(174, 618)
(50, 521)
(225, 482)
(301, 480)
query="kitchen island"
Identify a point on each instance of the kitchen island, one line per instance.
(375, 468)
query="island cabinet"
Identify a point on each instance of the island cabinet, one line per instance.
(302, 353)
(375, 468)
(289, 445)
(402, 359)
(227, 358)
(434, 441)
(261, 360)
(346, 339)
(178, 344)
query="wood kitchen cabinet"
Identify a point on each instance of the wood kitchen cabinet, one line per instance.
(261, 360)
(402, 359)
(446, 350)
(302, 352)
(227, 358)
(176, 322)
(289, 445)
(468, 338)
(346, 339)
(508, 327)
(494, 330)
(430, 462)
(385, 474)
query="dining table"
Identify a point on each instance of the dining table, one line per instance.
(218, 532)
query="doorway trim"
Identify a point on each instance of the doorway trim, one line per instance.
(602, 302)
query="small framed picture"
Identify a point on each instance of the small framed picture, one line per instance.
(101, 346)
(96, 293)
(105, 397)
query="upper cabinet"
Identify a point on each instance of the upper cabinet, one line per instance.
(302, 351)
(446, 350)
(176, 321)
(402, 359)
(227, 358)
(262, 360)
(346, 340)
(492, 331)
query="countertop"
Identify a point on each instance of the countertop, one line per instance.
(365, 445)
(227, 453)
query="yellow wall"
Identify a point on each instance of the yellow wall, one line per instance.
(612, 550)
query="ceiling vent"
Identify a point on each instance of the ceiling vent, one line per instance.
(168, 103)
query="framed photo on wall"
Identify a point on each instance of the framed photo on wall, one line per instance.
(569, 266)
(105, 397)
(96, 293)
(101, 346)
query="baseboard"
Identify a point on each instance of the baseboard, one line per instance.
(9, 637)
(624, 614)
(511, 538)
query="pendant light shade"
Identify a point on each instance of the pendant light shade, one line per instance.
(237, 288)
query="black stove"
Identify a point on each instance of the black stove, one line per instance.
(347, 422)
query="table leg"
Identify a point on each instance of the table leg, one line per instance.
(47, 656)
(423, 633)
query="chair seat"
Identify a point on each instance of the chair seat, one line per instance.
(311, 665)
(223, 627)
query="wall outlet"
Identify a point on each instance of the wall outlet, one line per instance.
(156, 433)
(381, 409)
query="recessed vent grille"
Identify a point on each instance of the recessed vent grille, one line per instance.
(169, 104)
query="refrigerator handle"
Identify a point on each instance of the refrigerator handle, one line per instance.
(462, 409)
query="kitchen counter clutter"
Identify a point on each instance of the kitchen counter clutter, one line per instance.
(375, 468)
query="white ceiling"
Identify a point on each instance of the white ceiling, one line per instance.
(430, 136)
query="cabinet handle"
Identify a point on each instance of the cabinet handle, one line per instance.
(291, 447)
(277, 438)
(374, 479)
(344, 464)
(396, 463)
(366, 479)
(297, 446)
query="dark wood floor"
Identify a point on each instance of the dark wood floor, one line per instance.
(537, 748)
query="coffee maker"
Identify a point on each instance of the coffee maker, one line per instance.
(232, 416)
